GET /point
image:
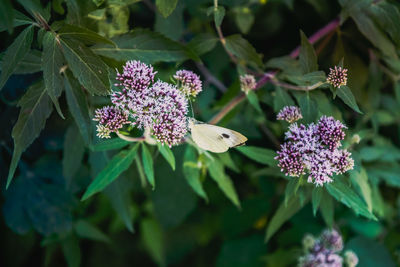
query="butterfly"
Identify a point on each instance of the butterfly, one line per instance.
(214, 138)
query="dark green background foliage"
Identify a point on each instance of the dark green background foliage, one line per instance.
(75, 200)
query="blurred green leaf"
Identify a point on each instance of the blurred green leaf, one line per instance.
(368, 28)
(359, 179)
(7, 15)
(245, 251)
(387, 16)
(118, 164)
(78, 106)
(19, 20)
(35, 109)
(370, 253)
(286, 64)
(146, 46)
(327, 209)
(389, 173)
(291, 188)
(244, 19)
(219, 14)
(316, 198)
(343, 193)
(167, 153)
(307, 57)
(52, 62)
(253, 100)
(347, 96)
(308, 107)
(74, 149)
(282, 99)
(88, 68)
(261, 155)
(86, 230)
(217, 173)
(72, 251)
(203, 43)
(243, 50)
(153, 239)
(284, 213)
(15, 53)
(191, 171)
(147, 160)
(172, 26)
(166, 7)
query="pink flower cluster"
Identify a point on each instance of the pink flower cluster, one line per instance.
(325, 251)
(189, 82)
(110, 119)
(337, 76)
(315, 149)
(158, 106)
(289, 114)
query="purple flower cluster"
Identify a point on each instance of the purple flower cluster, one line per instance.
(110, 119)
(337, 76)
(289, 114)
(189, 82)
(135, 76)
(324, 251)
(247, 83)
(315, 149)
(157, 107)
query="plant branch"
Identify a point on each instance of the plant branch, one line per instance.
(130, 139)
(295, 87)
(210, 77)
(269, 76)
(331, 26)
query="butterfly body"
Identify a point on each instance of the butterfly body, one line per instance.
(214, 138)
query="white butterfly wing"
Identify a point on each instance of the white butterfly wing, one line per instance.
(214, 138)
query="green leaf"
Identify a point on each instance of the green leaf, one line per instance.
(52, 62)
(310, 78)
(217, 173)
(15, 53)
(153, 239)
(261, 155)
(31, 63)
(146, 46)
(244, 19)
(307, 57)
(118, 164)
(203, 43)
(34, 7)
(71, 250)
(74, 149)
(370, 253)
(78, 107)
(317, 194)
(83, 35)
(88, 68)
(191, 171)
(219, 14)
(343, 193)
(327, 209)
(308, 107)
(253, 100)
(173, 26)
(284, 213)
(148, 167)
(167, 153)
(387, 16)
(227, 161)
(7, 15)
(166, 7)
(86, 230)
(366, 25)
(243, 50)
(347, 96)
(35, 109)
(120, 198)
(359, 179)
(281, 99)
(109, 144)
(287, 64)
(291, 188)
